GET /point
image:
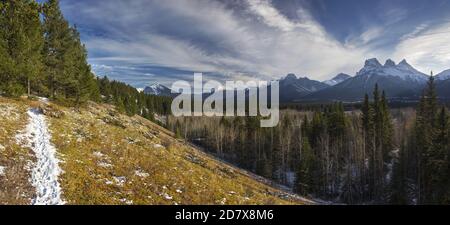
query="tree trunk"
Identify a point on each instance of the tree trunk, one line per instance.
(28, 86)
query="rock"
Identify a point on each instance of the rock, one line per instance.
(51, 111)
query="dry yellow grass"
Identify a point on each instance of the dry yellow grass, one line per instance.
(109, 158)
(14, 159)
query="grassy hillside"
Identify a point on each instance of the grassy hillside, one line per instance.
(109, 158)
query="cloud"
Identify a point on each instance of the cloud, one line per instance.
(368, 36)
(270, 15)
(225, 42)
(417, 31)
(426, 48)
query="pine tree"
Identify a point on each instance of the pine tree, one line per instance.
(57, 42)
(366, 116)
(399, 189)
(304, 183)
(69, 75)
(431, 128)
(387, 128)
(20, 48)
(437, 161)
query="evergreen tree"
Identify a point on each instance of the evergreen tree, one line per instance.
(367, 116)
(69, 75)
(399, 189)
(431, 147)
(20, 47)
(57, 44)
(437, 161)
(304, 183)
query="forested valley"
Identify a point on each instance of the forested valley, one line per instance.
(371, 155)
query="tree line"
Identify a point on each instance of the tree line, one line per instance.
(374, 155)
(42, 54)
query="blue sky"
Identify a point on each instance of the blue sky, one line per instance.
(145, 41)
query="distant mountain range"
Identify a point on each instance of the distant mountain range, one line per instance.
(292, 88)
(400, 82)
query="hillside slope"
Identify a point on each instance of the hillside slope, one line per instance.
(110, 158)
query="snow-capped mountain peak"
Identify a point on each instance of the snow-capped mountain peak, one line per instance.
(406, 66)
(157, 89)
(402, 70)
(372, 63)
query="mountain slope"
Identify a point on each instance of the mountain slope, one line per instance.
(109, 158)
(293, 88)
(158, 89)
(443, 89)
(337, 79)
(444, 75)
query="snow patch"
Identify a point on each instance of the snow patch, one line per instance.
(120, 181)
(158, 146)
(104, 165)
(126, 201)
(44, 174)
(141, 174)
(8, 111)
(167, 196)
(43, 99)
(2, 170)
(98, 154)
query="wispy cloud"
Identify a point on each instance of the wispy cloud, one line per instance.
(270, 15)
(230, 39)
(207, 36)
(428, 48)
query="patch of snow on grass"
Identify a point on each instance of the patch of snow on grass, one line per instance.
(126, 201)
(8, 111)
(120, 181)
(104, 165)
(158, 146)
(2, 170)
(98, 154)
(167, 197)
(141, 173)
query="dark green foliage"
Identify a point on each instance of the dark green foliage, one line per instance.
(69, 75)
(422, 171)
(431, 150)
(21, 42)
(41, 53)
(304, 183)
(128, 100)
(378, 144)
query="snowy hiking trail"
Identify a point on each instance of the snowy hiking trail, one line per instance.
(45, 171)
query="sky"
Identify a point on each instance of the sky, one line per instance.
(160, 41)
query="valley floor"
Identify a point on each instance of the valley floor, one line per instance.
(103, 157)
